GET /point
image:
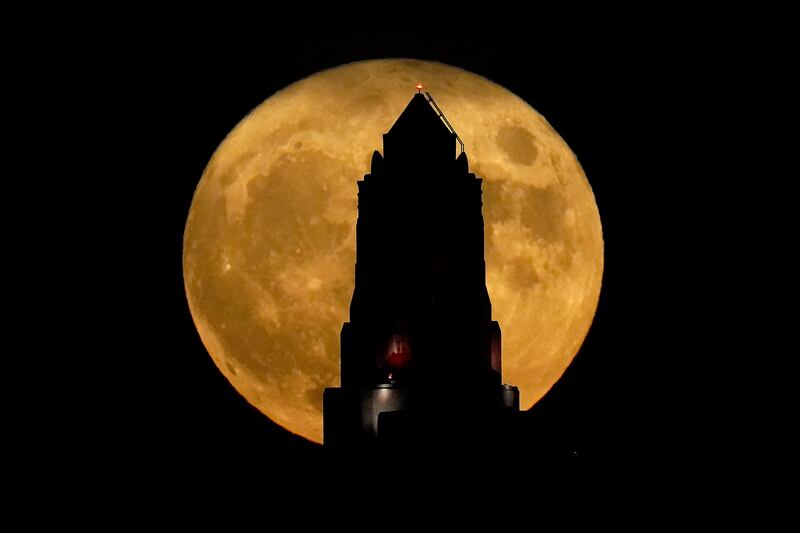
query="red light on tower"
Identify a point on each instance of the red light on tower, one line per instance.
(398, 353)
(419, 87)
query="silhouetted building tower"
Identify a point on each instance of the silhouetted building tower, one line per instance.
(421, 350)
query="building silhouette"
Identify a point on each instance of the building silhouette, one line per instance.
(421, 355)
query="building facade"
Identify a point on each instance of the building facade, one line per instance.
(421, 349)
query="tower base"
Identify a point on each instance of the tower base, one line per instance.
(387, 415)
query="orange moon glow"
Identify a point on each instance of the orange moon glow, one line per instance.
(269, 245)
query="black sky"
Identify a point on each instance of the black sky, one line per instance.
(670, 384)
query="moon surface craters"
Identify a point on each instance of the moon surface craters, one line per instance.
(517, 144)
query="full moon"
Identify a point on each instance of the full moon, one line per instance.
(269, 244)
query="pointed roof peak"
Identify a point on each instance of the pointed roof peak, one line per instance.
(422, 116)
(419, 114)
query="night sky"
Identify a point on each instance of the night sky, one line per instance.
(669, 389)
